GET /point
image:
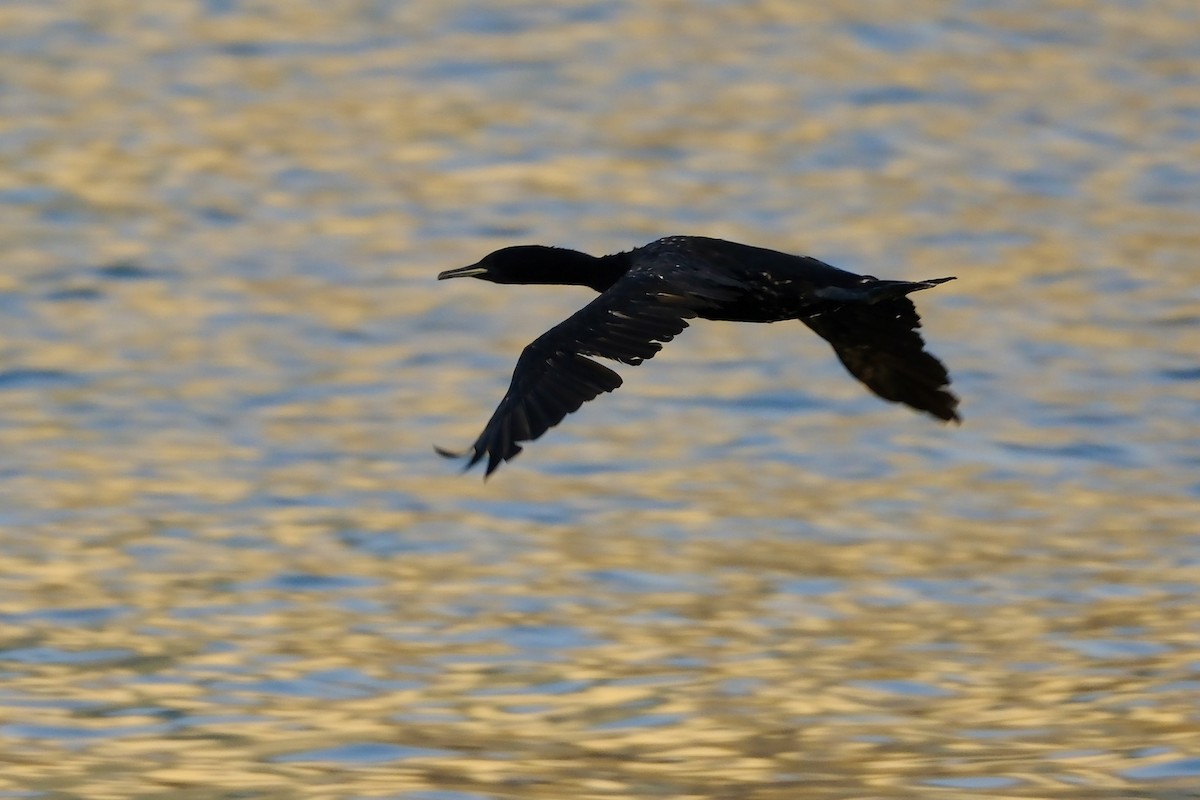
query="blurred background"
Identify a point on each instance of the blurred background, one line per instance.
(232, 566)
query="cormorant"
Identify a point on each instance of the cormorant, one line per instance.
(648, 294)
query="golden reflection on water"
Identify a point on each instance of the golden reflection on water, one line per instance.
(234, 568)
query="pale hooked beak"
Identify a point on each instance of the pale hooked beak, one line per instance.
(462, 272)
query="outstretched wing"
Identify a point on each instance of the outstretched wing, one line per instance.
(879, 344)
(554, 375)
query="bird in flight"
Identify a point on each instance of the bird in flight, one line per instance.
(648, 294)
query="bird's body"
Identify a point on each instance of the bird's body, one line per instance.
(648, 294)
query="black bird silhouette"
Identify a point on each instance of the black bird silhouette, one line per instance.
(648, 294)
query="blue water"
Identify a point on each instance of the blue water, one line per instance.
(234, 565)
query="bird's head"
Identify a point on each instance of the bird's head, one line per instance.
(531, 263)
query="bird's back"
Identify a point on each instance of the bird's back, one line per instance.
(771, 285)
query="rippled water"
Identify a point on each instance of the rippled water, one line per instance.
(234, 567)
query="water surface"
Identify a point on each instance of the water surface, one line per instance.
(234, 567)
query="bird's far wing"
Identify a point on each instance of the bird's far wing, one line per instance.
(554, 375)
(879, 344)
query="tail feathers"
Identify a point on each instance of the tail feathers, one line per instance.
(873, 290)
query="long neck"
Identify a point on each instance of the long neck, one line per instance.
(580, 269)
(607, 270)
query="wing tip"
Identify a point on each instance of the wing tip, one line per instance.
(476, 455)
(946, 411)
(470, 451)
(445, 453)
(495, 459)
